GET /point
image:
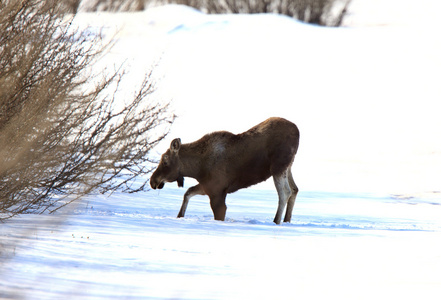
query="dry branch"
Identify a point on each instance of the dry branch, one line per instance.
(62, 134)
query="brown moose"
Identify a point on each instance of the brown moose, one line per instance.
(223, 162)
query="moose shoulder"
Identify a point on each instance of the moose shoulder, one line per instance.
(223, 162)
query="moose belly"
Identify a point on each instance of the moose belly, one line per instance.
(248, 174)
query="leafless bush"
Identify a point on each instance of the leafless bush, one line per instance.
(116, 5)
(320, 12)
(70, 6)
(63, 131)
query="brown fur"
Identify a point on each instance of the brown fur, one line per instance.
(223, 162)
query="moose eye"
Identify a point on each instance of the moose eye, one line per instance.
(165, 160)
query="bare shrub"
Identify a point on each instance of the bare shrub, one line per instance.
(63, 131)
(115, 5)
(320, 12)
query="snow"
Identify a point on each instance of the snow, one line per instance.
(351, 246)
(366, 223)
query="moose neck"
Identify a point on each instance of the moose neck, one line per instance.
(191, 161)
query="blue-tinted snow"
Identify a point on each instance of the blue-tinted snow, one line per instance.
(134, 247)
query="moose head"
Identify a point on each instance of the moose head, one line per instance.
(169, 167)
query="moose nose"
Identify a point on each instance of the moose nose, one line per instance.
(155, 184)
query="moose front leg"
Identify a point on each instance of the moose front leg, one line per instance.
(217, 203)
(193, 191)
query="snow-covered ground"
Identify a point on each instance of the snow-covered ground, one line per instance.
(339, 246)
(367, 220)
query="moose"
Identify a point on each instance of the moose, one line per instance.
(223, 162)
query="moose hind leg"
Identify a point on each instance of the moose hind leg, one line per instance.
(284, 191)
(193, 191)
(292, 198)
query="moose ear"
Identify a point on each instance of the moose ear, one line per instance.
(175, 145)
